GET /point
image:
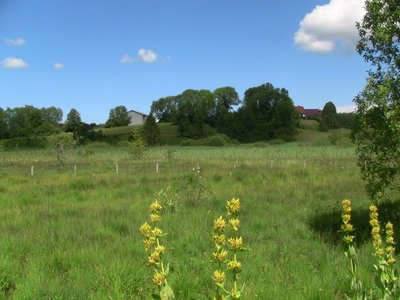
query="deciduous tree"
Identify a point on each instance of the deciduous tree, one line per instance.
(150, 131)
(377, 133)
(118, 117)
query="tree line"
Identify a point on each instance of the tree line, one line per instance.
(265, 113)
(29, 121)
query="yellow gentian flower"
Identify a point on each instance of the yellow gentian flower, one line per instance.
(219, 224)
(233, 206)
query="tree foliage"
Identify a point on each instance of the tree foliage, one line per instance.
(164, 109)
(377, 132)
(118, 117)
(329, 115)
(225, 99)
(267, 113)
(29, 121)
(3, 124)
(151, 132)
(194, 111)
(73, 121)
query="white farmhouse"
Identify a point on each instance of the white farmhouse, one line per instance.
(137, 118)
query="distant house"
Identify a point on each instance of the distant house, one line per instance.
(313, 112)
(308, 112)
(300, 110)
(137, 118)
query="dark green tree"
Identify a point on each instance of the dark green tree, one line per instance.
(51, 119)
(329, 109)
(195, 110)
(345, 120)
(225, 99)
(23, 121)
(164, 109)
(267, 113)
(73, 121)
(3, 124)
(74, 124)
(150, 131)
(377, 131)
(118, 117)
(329, 115)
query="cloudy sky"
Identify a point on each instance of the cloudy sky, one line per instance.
(93, 55)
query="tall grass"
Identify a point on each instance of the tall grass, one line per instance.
(66, 236)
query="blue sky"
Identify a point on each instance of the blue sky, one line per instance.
(93, 55)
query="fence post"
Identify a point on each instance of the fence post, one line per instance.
(74, 169)
(157, 168)
(31, 170)
(116, 168)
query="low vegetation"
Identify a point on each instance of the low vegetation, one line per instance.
(75, 235)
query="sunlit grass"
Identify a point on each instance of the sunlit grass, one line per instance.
(67, 236)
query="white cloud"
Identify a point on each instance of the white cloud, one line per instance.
(16, 42)
(58, 66)
(147, 56)
(127, 59)
(13, 63)
(346, 109)
(144, 55)
(331, 27)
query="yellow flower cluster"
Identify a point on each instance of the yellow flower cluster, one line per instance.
(390, 249)
(347, 228)
(375, 231)
(152, 235)
(236, 242)
(219, 239)
(226, 253)
(155, 207)
(233, 206)
(220, 255)
(234, 265)
(234, 223)
(219, 277)
(219, 224)
(159, 278)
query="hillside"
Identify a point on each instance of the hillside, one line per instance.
(169, 133)
(309, 134)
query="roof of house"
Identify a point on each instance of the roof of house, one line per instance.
(312, 112)
(138, 112)
(299, 109)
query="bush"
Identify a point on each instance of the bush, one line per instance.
(260, 145)
(123, 144)
(321, 142)
(323, 126)
(26, 142)
(214, 141)
(97, 145)
(277, 142)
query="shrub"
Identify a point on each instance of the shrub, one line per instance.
(323, 126)
(26, 142)
(260, 145)
(123, 144)
(213, 141)
(277, 142)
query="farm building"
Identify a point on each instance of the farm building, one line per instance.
(300, 110)
(137, 118)
(308, 112)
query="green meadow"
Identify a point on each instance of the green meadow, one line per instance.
(72, 232)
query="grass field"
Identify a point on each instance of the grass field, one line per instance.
(67, 236)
